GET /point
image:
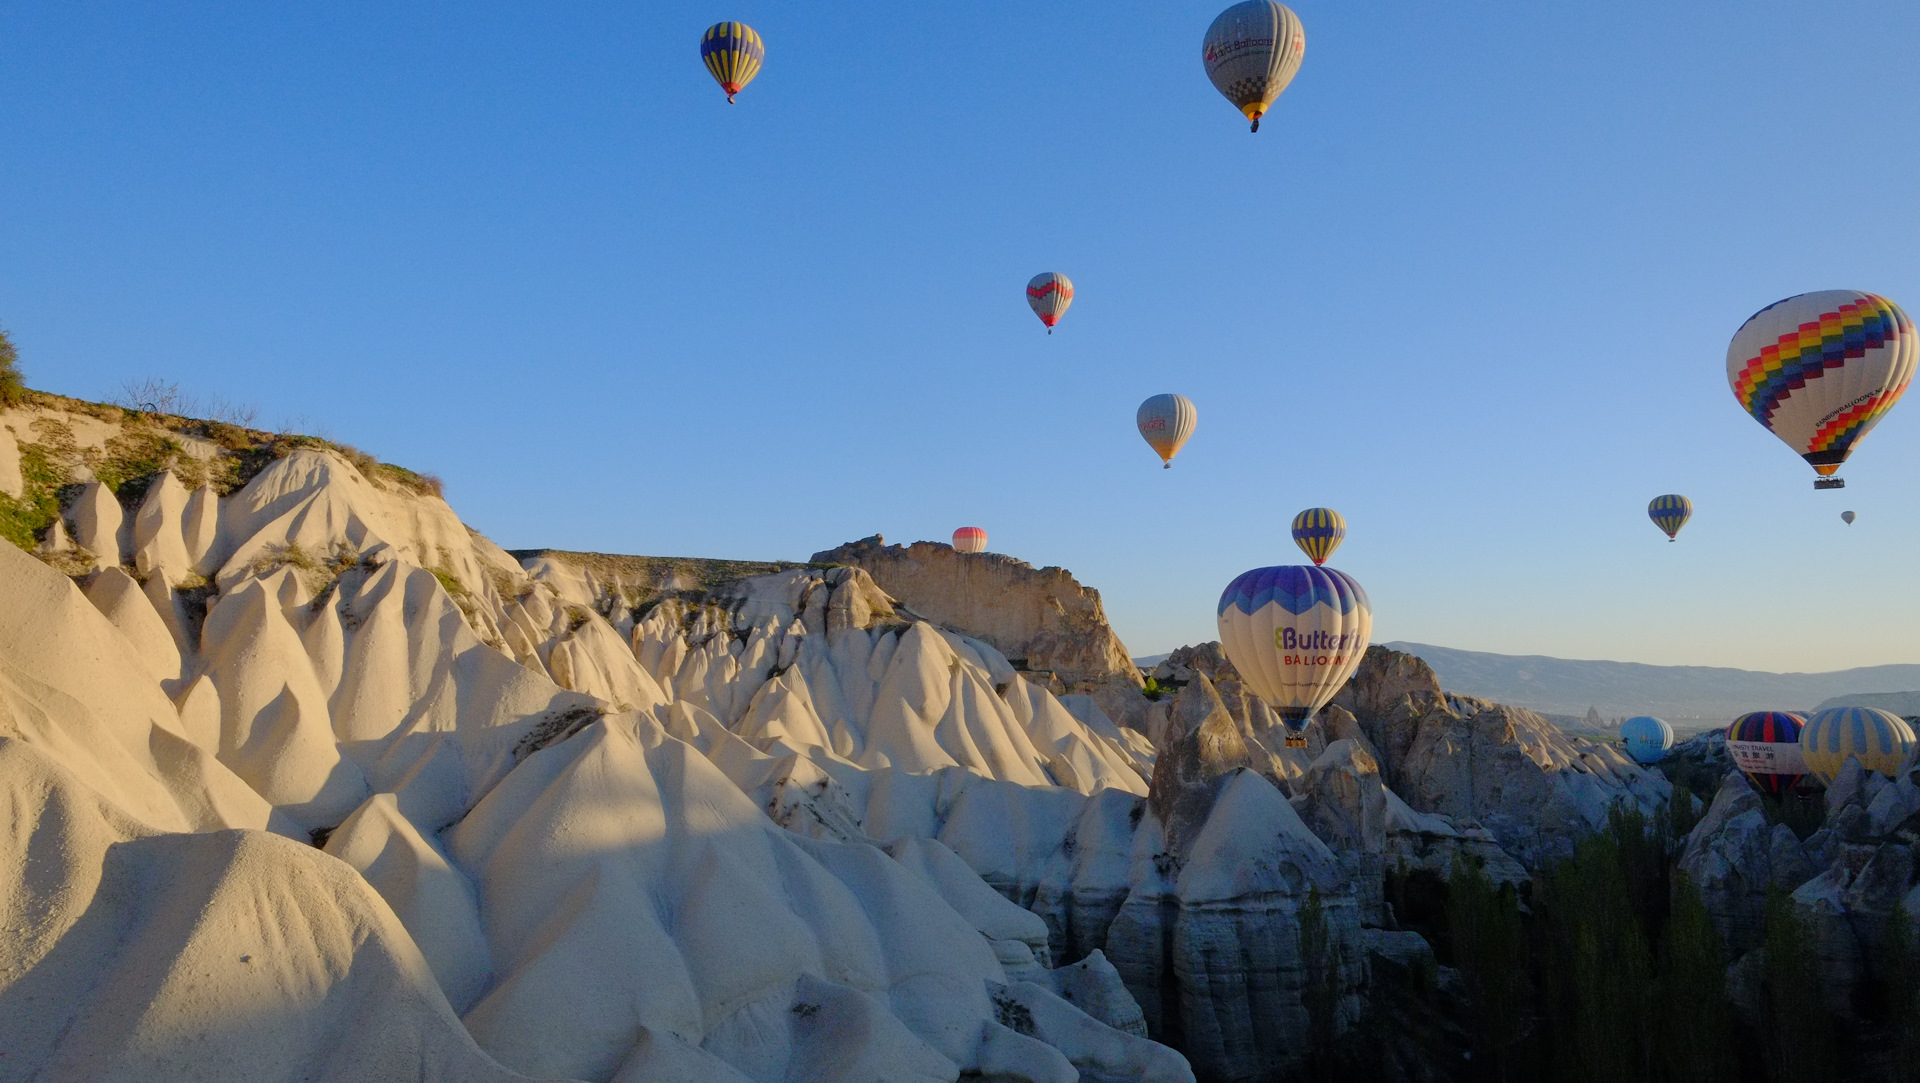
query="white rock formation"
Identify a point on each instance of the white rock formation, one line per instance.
(618, 848)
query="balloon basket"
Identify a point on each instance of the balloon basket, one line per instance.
(1829, 483)
(1295, 740)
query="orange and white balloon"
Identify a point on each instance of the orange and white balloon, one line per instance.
(1165, 422)
(970, 539)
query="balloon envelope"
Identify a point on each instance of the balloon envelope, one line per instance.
(1819, 370)
(1251, 52)
(1647, 738)
(1765, 747)
(1165, 422)
(1670, 513)
(1846, 517)
(1295, 633)
(1318, 532)
(970, 539)
(732, 53)
(1882, 741)
(1048, 295)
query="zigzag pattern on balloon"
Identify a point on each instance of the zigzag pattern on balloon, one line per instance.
(1839, 434)
(1297, 588)
(1785, 366)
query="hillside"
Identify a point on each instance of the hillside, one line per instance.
(1904, 704)
(1570, 686)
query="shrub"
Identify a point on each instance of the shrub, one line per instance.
(13, 389)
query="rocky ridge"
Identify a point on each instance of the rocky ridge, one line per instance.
(613, 819)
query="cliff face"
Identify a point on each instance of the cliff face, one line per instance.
(1040, 618)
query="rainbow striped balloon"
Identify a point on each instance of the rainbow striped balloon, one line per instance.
(732, 53)
(1318, 532)
(1881, 741)
(1820, 370)
(1049, 294)
(1670, 513)
(970, 539)
(1765, 747)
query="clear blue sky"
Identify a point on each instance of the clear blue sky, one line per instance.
(1471, 284)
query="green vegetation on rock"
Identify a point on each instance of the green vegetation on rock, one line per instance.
(146, 445)
(12, 389)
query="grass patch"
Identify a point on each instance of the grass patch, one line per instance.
(24, 518)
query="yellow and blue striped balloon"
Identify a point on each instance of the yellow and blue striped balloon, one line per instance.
(1318, 532)
(732, 53)
(1881, 741)
(1670, 513)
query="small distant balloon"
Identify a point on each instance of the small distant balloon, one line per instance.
(1165, 422)
(1846, 517)
(1647, 739)
(1670, 513)
(1251, 52)
(1765, 747)
(1296, 634)
(1049, 294)
(970, 539)
(1318, 532)
(1820, 370)
(732, 53)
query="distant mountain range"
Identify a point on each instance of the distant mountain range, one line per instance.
(1569, 687)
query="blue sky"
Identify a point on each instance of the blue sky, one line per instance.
(1471, 284)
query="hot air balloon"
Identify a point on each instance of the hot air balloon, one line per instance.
(732, 52)
(1880, 740)
(1765, 747)
(1296, 634)
(1165, 423)
(1049, 294)
(1647, 739)
(1251, 52)
(1846, 517)
(1318, 532)
(1819, 370)
(1670, 513)
(970, 539)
